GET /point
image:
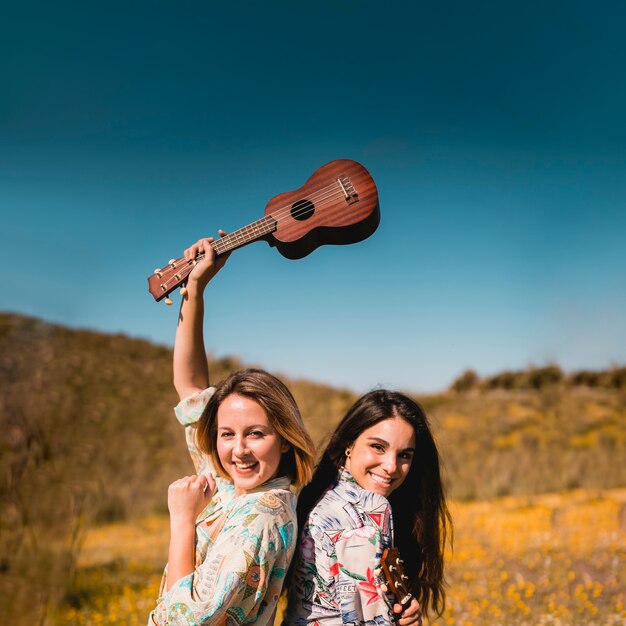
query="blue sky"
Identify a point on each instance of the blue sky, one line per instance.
(495, 132)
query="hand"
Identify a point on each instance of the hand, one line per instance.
(207, 267)
(410, 615)
(187, 497)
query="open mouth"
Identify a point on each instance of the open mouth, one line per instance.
(379, 480)
(245, 468)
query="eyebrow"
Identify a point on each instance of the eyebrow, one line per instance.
(252, 427)
(386, 443)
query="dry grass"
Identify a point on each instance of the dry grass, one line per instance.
(557, 559)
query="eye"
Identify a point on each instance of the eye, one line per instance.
(256, 433)
(225, 435)
(406, 456)
(378, 447)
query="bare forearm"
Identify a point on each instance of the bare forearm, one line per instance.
(191, 371)
(181, 561)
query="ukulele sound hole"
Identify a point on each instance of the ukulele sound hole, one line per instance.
(302, 210)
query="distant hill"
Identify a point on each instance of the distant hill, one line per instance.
(87, 434)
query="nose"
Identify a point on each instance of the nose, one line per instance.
(390, 464)
(240, 448)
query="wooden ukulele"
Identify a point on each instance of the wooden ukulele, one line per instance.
(398, 581)
(338, 204)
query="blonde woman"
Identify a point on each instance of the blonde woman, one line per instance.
(233, 525)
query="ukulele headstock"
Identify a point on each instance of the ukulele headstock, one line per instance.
(398, 581)
(165, 279)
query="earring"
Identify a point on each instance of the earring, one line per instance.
(347, 453)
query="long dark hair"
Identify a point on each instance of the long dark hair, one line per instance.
(421, 517)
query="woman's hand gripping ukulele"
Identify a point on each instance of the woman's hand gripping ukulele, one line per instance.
(407, 609)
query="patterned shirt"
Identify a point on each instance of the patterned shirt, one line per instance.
(243, 548)
(334, 581)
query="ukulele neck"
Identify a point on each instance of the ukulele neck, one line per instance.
(257, 230)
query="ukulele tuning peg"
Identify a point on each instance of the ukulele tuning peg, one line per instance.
(169, 301)
(383, 587)
(404, 577)
(377, 571)
(183, 291)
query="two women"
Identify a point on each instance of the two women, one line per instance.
(232, 538)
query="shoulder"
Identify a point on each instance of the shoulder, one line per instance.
(331, 513)
(190, 409)
(330, 506)
(270, 503)
(275, 502)
(270, 513)
(341, 510)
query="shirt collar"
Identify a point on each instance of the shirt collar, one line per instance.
(280, 482)
(367, 505)
(350, 490)
(225, 496)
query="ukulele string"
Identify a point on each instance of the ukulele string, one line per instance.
(279, 215)
(323, 196)
(255, 231)
(320, 195)
(185, 270)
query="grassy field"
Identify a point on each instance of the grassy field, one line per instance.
(88, 437)
(555, 559)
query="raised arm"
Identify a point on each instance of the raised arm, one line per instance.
(191, 371)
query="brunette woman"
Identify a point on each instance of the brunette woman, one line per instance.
(378, 485)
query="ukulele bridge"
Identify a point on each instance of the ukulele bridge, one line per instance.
(349, 193)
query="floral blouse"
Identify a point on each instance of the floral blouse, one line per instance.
(243, 548)
(334, 581)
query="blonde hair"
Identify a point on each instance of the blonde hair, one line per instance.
(272, 395)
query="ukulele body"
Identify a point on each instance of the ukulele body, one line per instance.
(337, 205)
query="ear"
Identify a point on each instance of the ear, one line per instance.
(346, 463)
(284, 446)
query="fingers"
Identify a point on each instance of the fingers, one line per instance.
(410, 615)
(209, 486)
(198, 483)
(187, 497)
(202, 246)
(182, 484)
(207, 262)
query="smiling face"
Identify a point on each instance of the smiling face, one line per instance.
(381, 456)
(248, 447)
